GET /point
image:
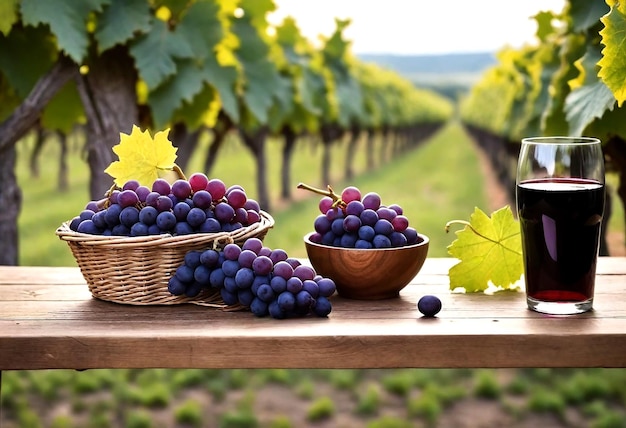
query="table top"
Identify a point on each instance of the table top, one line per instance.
(49, 320)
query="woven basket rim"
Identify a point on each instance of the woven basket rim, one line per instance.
(166, 239)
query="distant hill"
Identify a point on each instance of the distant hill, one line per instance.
(449, 74)
(440, 64)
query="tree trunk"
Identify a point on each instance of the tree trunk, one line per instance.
(369, 155)
(221, 129)
(185, 142)
(10, 204)
(109, 99)
(355, 133)
(285, 171)
(63, 180)
(11, 131)
(256, 143)
(615, 148)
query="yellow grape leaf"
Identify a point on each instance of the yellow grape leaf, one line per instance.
(141, 158)
(489, 249)
(613, 62)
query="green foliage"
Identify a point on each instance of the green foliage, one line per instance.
(487, 385)
(398, 383)
(543, 400)
(189, 413)
(369, 400)
(426, 406)
(389, 422)
(321, 409)
(138, 419)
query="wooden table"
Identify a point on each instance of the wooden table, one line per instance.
(48, 320)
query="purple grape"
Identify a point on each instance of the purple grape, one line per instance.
(198, 181)
(130, 185)
(244, 277)
(350, 194)
(216, 188)
(184, 273)
(275, 311)
(210, 225)
(148, 215)
(253, 216)
(228, 297)
(202, 199)
(286, 301)
(283, 269)
(334, 213)
(245, 297)
(351, 223)
(278, 255)
(129, 216)
(304, 300)
(429, 305)
(400, 223)
(224, 212)
(304, 272)
(232, 251)
(258, 307)
(381, 241)
(325, 203)
(161, 186)
(371, 201)
(175, 286)
(241, 216)
(294, 285)
(354, 208)
(217, 277)
(230, 267)
(99, 220)
(120, 230)
(326, 287)
(366, 233)
(92, 206)
(252, 205)
(262, 265)
(311, 287)
(348, 240)
(151, 199)
(322, 307)
(397, 208)
(316, 238)
(181, 210)
(86, 215)
(321, 224)
(411, 235)
(337, 227)
(181, 189)
(127, 198)
(142, 193)
(253, 244)
(230, 284)
(87, 226)
(113, 196)
(328, 238)
(196, 217)
(383, 227)
(278, 284)
(112, 215)
(246, 258)
(363, 244)
(293, 262)
(397, 239)
(182, 228)
(386, 213)
(236, 198)
(265, 293)
(265, 251)
(209, 258)
(163, 204)
(369, 217)
(166, 221)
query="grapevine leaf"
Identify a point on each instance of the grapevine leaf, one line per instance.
(544, 25)
(120, 21)
(155, 51)
(613, 62)
(489, 249)
(67, 20)
(8, 15)
(585, 14)
(64, 111)
(25, 55)
(141, 158)
(223, 79)
(586, 103)
(202, 28)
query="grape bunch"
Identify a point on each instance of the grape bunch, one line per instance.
(266, 281)
(352, 220)
(196, 205)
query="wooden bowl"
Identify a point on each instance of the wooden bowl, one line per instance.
(368, 274)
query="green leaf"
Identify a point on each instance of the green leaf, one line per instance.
(64, 111)
(585, 14)
(120, 21)
(67, 20)
(155, 51)
(25, 55)
(8, 15)
(202, 28)
(613, 62)
(586, 103)
(489, 250)
(544, 25)
(223, 79)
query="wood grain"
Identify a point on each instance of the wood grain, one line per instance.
(48, 319)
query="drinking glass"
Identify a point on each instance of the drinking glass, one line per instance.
(560, 203)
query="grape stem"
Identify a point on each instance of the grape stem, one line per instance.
(337, 202)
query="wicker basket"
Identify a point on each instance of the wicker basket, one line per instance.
(136, 270)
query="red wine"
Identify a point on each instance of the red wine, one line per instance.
(560, 220)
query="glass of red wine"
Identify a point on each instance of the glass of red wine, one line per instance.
(560, 203)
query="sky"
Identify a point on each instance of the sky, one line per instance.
(414, 27)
